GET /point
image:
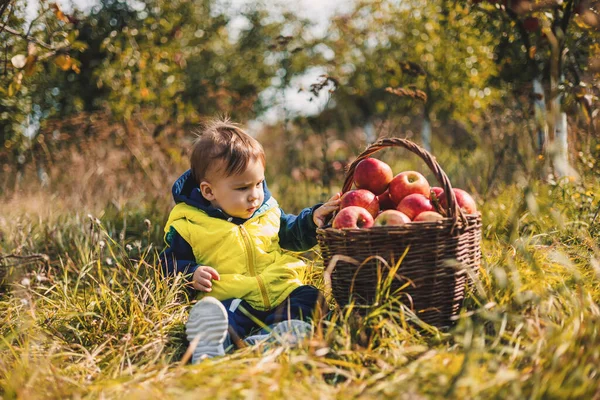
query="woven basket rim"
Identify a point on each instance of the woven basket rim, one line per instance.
(413, 225)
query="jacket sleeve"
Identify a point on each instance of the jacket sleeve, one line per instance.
(178, 257)
(298, 233)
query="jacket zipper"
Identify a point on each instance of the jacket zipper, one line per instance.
(250, 253)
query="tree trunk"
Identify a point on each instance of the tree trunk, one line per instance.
(369, 130)
(539, 104)
(426, 132)
(560, 158)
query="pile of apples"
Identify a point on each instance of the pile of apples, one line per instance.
(381, 199)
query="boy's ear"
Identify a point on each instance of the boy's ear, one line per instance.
(206, 191)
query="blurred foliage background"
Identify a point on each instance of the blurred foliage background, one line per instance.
(100, 106)
(98, 109)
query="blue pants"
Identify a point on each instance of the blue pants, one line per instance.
(244, 320)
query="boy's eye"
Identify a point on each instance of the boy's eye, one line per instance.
(241, 189)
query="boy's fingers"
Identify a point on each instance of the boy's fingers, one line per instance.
(203, 285)
(204, 282)
(204, 274)
(201, 288)
(213, 273)
(335, 204)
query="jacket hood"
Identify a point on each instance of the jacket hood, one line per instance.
(185, 190)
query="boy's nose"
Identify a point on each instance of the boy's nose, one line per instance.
(253, 195)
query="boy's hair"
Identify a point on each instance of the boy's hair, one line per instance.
(220, 139)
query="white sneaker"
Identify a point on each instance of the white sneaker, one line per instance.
(290, 332)
(206, 328)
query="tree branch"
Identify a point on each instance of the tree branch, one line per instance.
(4, 6)
(23, 259)
(54, 51)
(3, 10)
(12, 9)
(567, 16)
(26, 37)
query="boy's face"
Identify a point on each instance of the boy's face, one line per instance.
(237, 195)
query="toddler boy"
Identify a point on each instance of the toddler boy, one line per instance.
(227, 233)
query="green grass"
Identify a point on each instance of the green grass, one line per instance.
(96, 320)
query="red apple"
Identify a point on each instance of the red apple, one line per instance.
(352, 217)
(391, 218)
(414, 204)
(406, 183)
(361, 198)
(437, 191)
(373, 175)
(428, 216)
(435, 195)
(385, 201)
(464, 201)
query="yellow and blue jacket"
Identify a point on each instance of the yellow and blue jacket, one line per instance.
(248, 254)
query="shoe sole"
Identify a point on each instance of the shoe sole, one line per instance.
(207, 325)
(291, 332)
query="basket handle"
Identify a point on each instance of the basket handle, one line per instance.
(453, 211)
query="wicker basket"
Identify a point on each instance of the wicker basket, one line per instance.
(434, 260)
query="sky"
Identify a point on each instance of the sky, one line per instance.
(295, 102)
(319, 9)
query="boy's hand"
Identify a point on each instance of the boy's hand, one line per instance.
(321, 214)
(202, 278)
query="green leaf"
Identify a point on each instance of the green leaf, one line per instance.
(79, 46)
(72, 37)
